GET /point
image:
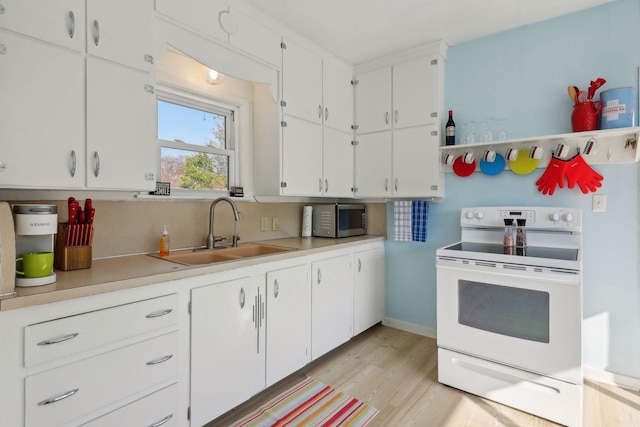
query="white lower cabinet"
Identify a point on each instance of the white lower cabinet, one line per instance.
(331, 304)
(368, 289)
(227, 346)
(288, 321)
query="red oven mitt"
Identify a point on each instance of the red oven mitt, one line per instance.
(552, 176)
(578, 171)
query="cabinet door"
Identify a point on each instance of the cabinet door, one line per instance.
(416, 169)
(41, 115)
(288, 298)
(414, 93)
(373, 100)
(302, 83)
(337, 96)
(338, 163)
(331, 304)
(121, 127)
(368, 289)
(122, 31)
(203, 16)
(227, 346)
(373, 165)
(301, 158)
(254, 38)
(59, 22)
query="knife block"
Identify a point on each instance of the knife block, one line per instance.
(70, 257)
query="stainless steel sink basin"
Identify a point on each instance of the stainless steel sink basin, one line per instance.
(211, 256)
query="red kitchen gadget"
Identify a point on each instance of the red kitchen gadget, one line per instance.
(463, 169)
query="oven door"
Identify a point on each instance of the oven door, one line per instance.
(521, 320)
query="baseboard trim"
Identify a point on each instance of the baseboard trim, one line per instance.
(409, 327)
(600, 375)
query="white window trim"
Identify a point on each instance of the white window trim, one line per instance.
(213, 105)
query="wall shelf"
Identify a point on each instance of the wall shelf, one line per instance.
(611, 146)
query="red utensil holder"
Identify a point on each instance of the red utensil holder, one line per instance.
(585, 116)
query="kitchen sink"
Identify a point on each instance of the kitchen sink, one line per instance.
(211, 256)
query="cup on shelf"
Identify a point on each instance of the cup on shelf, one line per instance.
(511, 154)
(489, 155)
(467, 157)
(562, 150)
(448, 158)
(536, 152)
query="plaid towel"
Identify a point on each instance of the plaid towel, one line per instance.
(419, 215)
(402, 221)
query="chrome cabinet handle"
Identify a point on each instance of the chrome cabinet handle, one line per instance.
(159, 313)
(73, 163)
(386, 184)
(72, 24)
(396, 117)
(319, 276)
(96, 170)
(242, 298)
(162, 421)
(320, 185)
(159, 360)
(359, 265)
(276, 288)
(326, 113)
(319, 111)
(58, 398)
(59, 340)
(326, 185)
(396, 184)
(386, 117)
(96, 32)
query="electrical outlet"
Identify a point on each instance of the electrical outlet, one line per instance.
(599, 203)
(275, 224)
(264, 223)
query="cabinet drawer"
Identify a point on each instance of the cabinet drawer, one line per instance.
(64, 394)
(59, 338)
(157, 409)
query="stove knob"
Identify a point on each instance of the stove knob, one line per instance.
(554, 217)
(568, 217)
(469, 215)
(479, 215)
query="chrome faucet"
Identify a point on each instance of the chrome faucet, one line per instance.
(211, 239)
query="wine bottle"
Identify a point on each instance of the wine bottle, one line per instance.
(450, 130)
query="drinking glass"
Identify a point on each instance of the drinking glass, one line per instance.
(501, 129)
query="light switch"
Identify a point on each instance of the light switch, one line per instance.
(599, 203)
(264, 223)
(275, 224)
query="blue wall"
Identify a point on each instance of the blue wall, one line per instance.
(523, 75)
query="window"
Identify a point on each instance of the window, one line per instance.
(196, 142)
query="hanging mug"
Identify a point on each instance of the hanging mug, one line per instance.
(511, 154)
(489, 155)
(536, 152)
(448, 158)
(467, 157)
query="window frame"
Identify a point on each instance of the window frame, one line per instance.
(211, 105)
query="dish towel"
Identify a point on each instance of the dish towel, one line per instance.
(410, 221)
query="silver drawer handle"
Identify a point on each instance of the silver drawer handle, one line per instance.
(73, 163)
(58, 398)
(159, 313)
(276, 288)
(160, 360)
(96, 157)
(242, 298)
(319, 276)
(162, 421)
(58, 340)
(359, 265)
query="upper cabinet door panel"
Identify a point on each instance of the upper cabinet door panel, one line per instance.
(254, 38)
(41, 115)
(122, 31)
(302, 82)
(200, 15)
(60, 22)
(414, 92)
(337, 96)
(373, 100)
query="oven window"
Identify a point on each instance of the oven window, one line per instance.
(515, 312)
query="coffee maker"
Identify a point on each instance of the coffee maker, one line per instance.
(35, 226)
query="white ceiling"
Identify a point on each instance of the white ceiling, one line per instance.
(360, 30)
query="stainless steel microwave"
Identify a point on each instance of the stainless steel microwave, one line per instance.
(339, 220)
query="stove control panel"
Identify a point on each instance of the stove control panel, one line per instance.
(543, 218)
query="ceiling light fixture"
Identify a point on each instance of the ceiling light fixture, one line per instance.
(213, 77)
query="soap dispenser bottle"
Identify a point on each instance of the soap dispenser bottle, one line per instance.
(164, 241)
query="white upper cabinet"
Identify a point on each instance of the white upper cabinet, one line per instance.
(415, 96)
(373, 165)
(373, 100)
(337, 159)
(301, 82)
(121, 31)
(252, 37)
(416, 171)
(42, 133)
(202, 16)
(61, 22)
(337, 96)
(301, 158)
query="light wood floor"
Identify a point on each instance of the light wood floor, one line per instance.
(396, 372)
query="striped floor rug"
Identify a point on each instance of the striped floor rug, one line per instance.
(311, 403)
